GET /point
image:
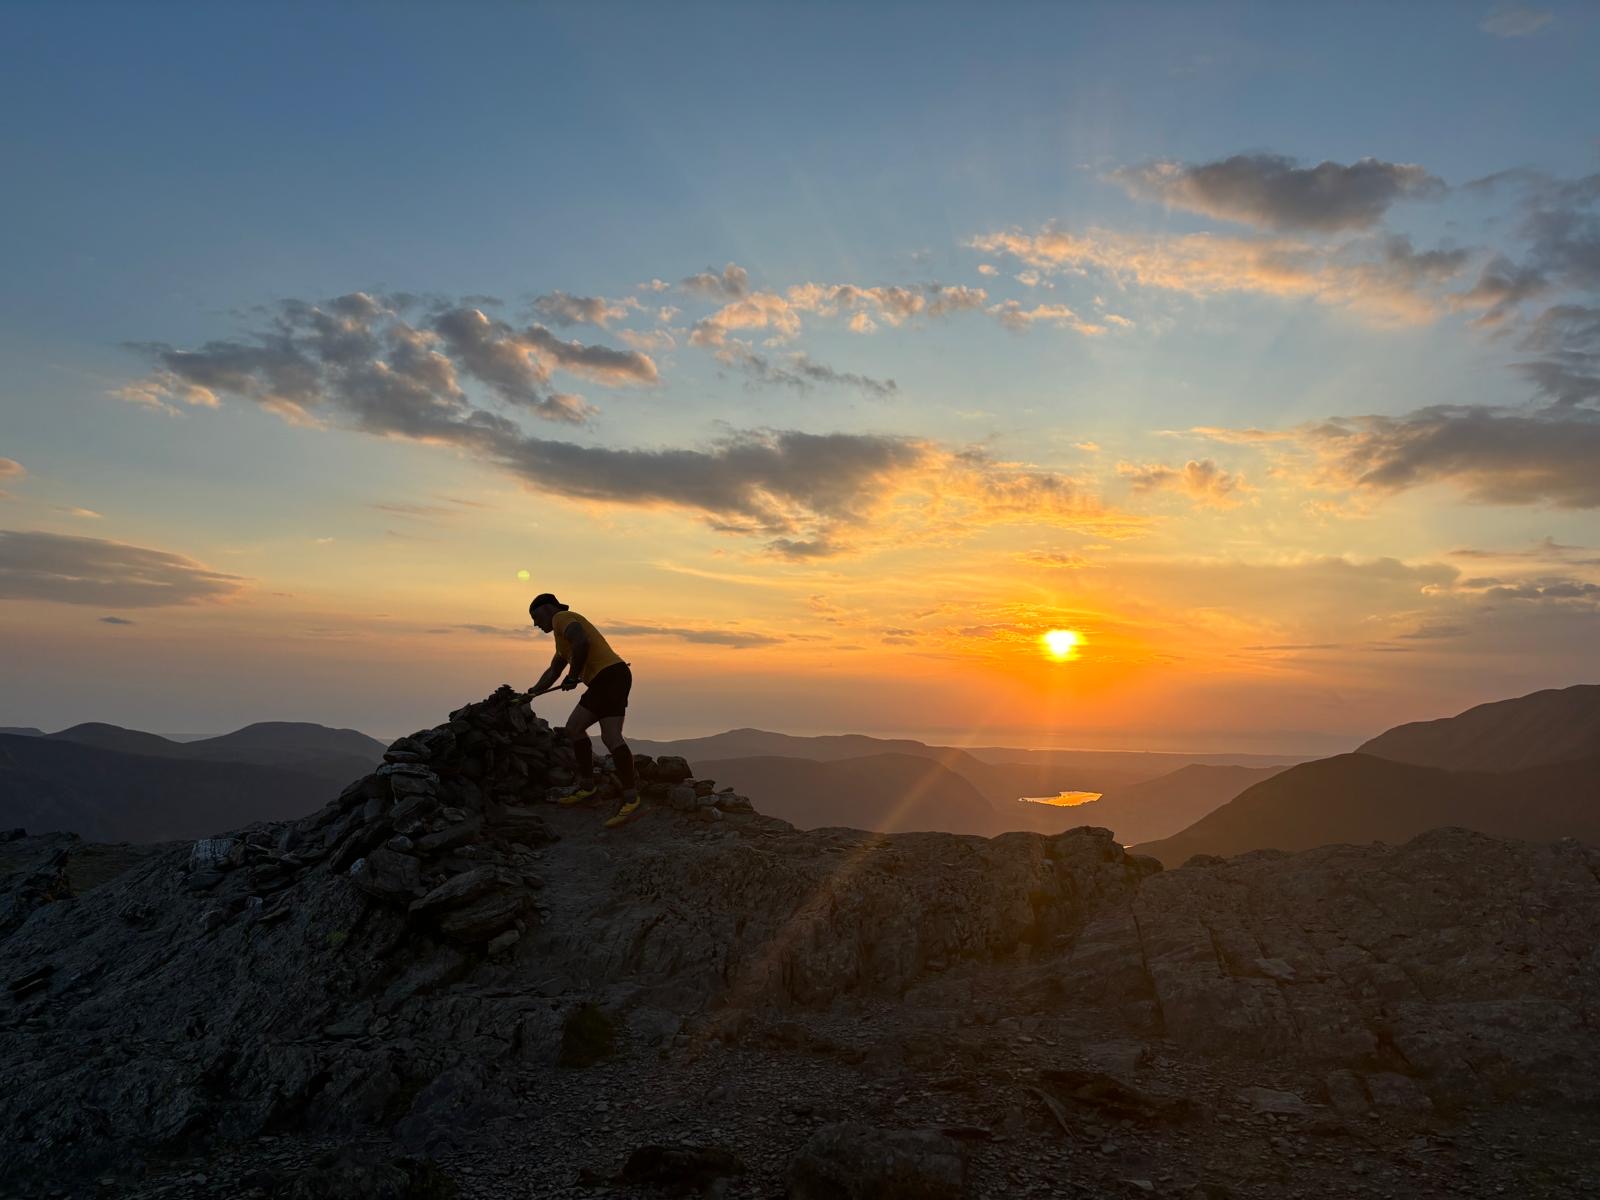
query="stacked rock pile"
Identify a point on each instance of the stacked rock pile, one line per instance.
(443, 827)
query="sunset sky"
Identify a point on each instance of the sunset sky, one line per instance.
(826, 358)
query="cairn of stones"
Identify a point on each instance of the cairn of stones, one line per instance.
(445, 826)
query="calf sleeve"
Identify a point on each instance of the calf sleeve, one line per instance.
(583, 751)
(623, 758)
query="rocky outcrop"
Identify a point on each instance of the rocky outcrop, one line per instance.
(393, 964)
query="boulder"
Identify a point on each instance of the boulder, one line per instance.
(670, 768)
(463, 889)
(390, 875)
(483, 918)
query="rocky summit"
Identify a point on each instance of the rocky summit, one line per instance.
(441, 983)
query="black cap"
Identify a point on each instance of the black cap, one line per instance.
(544, 598)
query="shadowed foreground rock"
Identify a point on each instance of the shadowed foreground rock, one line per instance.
(410, 964)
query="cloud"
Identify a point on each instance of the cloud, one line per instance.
(800, 372)
(1018, 319)
(116, 621)
(657, 341)
(80, 570)
(1202, 481)
(988, 269)
(1502, 286)
(71, 511)
(758, 310)
(1567, 339)
(1515, 20)
(1054, 558)
(892, 305)
(1560, 224)
(560, 308)
(738, 639)
(13, 471)
(359, 360)
(863, 306)
(1494, 455)
(1381, 278)
(1547, 589)
(1269, 191)
(1545, 549)
(732, 281)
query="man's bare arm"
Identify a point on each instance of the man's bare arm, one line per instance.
(578, 641)
(547, 680)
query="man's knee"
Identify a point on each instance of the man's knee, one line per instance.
(613, 741)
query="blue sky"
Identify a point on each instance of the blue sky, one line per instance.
(176, 171)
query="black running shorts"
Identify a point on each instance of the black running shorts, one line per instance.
(607, 695)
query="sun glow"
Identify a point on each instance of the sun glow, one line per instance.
(1061, 644)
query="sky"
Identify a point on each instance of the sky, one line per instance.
(826, 357)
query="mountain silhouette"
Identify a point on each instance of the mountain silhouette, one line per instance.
(1158, 808)
(49, 784)
(103, 781)
(1555, 725)
(1358, 798)
(888, 793)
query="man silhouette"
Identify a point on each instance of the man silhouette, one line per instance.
(591, 660)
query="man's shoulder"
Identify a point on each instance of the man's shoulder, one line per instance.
(567, 617)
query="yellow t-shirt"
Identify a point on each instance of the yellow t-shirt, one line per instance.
(601, 655)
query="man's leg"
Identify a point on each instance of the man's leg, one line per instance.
(577, 728)
(611, 735)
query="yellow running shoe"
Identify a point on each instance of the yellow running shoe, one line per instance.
(578, 794)
(624, 813)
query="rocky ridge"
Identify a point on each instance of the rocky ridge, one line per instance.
(440, 963)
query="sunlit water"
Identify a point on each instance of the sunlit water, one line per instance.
(1062, 799)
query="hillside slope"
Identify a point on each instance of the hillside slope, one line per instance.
(889, 793)
(48, 785)
(1357, 799)
(436, 963)
(999, 782)
(1159, 808)
(1551, 726)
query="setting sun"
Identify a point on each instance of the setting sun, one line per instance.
(1061, 644)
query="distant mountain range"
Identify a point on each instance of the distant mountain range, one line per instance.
(891, 793)
(1526, 768)
(113, 784)
(1163, 806)
(769, 762)
(1558, 725)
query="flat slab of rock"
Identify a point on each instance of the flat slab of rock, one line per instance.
(462, 889)
(483, 918)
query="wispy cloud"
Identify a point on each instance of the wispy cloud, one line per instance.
(1202, 481)
(735, 638)
(1382, 278)
(1516, 20)
(11, 471)
(1014, 317)
(799, 371)
(35, 565)
(561, 308)
(115, 621)
(1272, 192)
(731, 282)
(361, 360)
